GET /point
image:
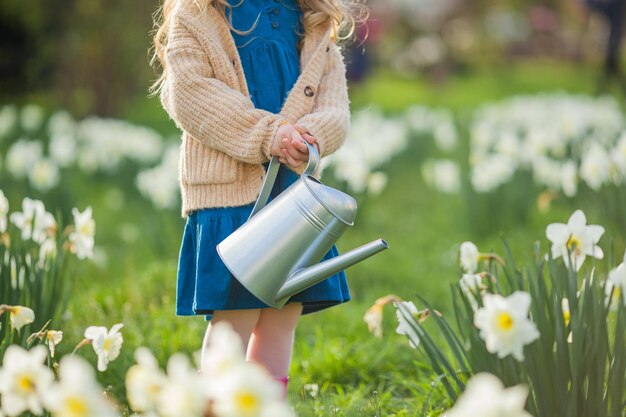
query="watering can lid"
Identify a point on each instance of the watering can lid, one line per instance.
(340, 204)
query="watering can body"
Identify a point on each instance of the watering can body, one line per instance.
(276, 253)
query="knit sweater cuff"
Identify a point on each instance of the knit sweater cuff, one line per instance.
(266, 145)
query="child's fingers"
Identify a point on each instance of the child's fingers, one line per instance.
(309, 138)
(297, 149)
(312, 140)
(301, 146)
(291, 161)
(305, 134)
(296, 136)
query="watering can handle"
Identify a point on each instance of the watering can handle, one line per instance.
(272, 172)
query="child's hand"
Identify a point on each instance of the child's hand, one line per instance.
(307, 136)
(288, 145)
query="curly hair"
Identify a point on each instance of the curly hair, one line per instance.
(344, 16)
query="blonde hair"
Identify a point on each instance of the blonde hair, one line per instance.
(344, 16)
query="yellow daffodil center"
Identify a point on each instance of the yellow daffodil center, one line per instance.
(566, 317)
(107, 344)
(247, 402)
(76, 407)
(86, 229)
(573, 244)
(505, 321)
(154, 389)
(617, 292)
(26, 384)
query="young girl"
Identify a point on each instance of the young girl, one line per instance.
(246, 81)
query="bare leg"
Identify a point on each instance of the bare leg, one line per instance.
(271, 343)
(242, 321)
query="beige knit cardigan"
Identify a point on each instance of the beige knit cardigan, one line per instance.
(225, 138)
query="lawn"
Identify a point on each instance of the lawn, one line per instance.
(133, 281)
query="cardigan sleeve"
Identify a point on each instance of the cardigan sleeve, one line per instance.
(329, 120)
(209, 110)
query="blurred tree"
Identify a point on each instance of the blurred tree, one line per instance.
(92, 55)
(104, 55)
(26, 55)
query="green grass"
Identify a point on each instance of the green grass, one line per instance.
(357, 373)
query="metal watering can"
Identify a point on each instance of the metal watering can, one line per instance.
(276, 253)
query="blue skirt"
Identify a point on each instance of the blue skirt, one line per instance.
(204, 284)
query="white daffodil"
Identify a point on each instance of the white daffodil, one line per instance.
(469, 257)
(404, 327)
(21, 156)
(376, 183)
(44, 226)
(569, 178)
(24, 220)
(8, 119)
(47, 250)
(82, 238)
(594, 169)
(443, 175)
(279, 409)
(63, 149)
(504, 324)
(19, 316)
(44, 175)
(24, 378)
(618, 155)
(485, 396)
(31, 117)
(472, 287)
(374, 315)
(374, 319)
(567, 315)
(34, 222)
(184, 392)
(53, 338)
(144, 381)
(311, 389)
(4, 210)
(575, 240)
(493, 171)
(225, 351)
(616, 286)
(61, 122)
(160, 183)
(245, 391)
(77, 394)
(106, 343)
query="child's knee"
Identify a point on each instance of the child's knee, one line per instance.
(279, 323)
(242, 321)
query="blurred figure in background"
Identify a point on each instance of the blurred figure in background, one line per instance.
(358, 54)
(613, 12)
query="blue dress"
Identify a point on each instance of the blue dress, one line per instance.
(270, 60)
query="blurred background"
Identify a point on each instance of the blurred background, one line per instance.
(90, 57)
(472, 120)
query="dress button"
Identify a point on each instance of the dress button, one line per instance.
(308, 91)
(276, 11)
(274, 25)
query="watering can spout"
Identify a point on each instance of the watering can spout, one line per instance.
(307, 277)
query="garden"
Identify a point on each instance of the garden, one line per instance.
(498, 182)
